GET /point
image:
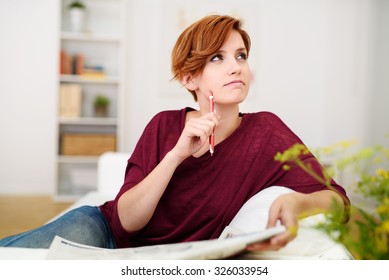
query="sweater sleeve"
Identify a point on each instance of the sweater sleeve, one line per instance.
(296, 178)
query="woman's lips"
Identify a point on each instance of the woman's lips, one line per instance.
(235, 83)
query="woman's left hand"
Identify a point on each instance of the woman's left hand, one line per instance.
(289, 208)
(286, 209)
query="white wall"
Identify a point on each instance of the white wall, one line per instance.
(28, 67)
(378, 120)
(313, 62)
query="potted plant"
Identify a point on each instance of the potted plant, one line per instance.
(77, 16)
(101, 104)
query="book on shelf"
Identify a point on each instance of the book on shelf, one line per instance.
(70, 98)
(65, 63)
(71, 64)
(93, 72)
(74, 64)
(79, 64)
(93, 76)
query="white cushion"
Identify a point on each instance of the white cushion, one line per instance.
(110, 169)
(309, 243)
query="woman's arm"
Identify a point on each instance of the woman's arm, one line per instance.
(289, 208)
(137, 205)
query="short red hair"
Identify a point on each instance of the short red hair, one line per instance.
(201, 40)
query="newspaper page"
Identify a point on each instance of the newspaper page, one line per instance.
(222, 248)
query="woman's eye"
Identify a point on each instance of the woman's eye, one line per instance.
(242, 56)
(216, 58)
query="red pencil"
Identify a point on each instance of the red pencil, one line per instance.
(212, 136)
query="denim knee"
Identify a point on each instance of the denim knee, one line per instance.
(85, 225)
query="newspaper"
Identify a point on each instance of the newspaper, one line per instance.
(222, 248)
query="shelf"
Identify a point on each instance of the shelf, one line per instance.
(88, 121)
(102, 46)
(90, 37)
(79, 79)
(78, 159)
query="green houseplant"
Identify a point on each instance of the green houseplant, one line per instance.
(101, 103)
(76, 4)
(366, 234)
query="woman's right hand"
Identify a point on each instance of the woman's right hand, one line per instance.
(195, 135)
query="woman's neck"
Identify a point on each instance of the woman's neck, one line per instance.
(229, 120)
(228, 123)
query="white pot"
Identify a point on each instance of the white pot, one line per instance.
(77, 18)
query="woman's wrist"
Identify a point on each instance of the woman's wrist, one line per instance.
(173, 158)
(317, 202)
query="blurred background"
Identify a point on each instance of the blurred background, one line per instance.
(321, 65)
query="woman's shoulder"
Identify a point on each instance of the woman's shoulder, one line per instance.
(167, 115)
(167, 119)
(270, 122)
(266, 121)
(264, 117)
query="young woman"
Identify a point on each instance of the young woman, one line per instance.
(175, 190)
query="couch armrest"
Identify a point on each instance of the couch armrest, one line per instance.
(110, 172)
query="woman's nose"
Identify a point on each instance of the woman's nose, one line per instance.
(234, 67)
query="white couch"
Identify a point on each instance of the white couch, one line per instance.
(310, 243)
(110, 176)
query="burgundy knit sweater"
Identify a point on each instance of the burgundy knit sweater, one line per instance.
(205, 193)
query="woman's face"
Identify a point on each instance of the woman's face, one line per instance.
(227, 73)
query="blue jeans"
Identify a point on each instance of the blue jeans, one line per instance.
(85, 225)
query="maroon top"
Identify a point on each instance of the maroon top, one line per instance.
(205, 193)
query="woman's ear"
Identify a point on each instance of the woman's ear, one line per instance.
(189, 82)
